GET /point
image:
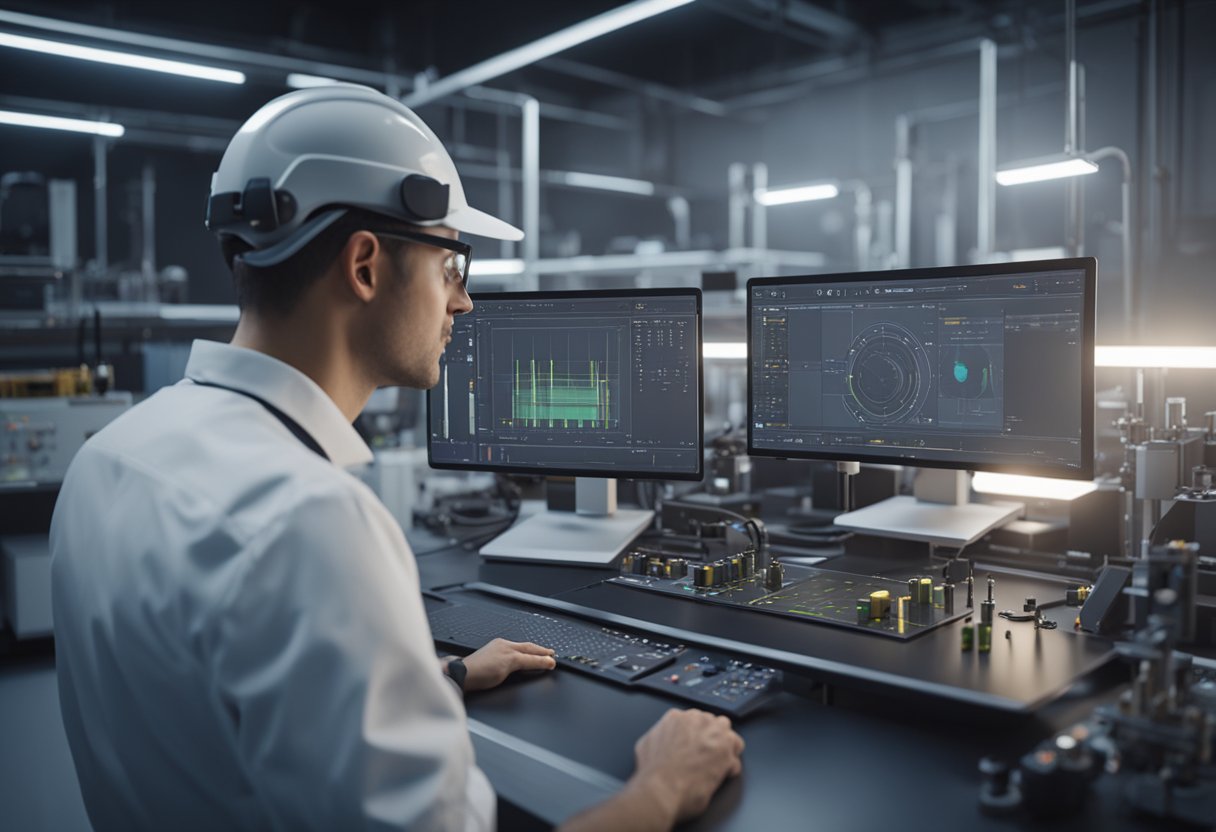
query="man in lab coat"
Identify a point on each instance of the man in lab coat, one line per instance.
(241, 639)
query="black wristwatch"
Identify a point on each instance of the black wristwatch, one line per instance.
(457, 671)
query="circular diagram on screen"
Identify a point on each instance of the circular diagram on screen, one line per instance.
(888, 375)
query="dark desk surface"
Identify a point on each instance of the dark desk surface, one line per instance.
(871, 757)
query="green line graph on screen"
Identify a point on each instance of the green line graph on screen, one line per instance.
(567, 379)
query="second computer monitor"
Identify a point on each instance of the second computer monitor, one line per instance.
(980, 367)
(587, 383)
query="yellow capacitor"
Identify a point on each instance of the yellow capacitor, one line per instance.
(880, 604)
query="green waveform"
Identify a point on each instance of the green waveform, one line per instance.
(540, 399)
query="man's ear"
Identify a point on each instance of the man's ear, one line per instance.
(357, 264)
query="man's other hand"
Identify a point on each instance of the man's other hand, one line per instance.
(492, 664)
(687, 755)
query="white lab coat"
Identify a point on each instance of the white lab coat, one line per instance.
(241, 641)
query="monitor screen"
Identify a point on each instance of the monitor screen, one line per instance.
(980, 367)
(592, 383)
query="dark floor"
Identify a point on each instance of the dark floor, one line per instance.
(38, 788)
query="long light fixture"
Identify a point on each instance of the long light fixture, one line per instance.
(724, 349)
(74, 125)
(109, 56)
(1042, 488)
(560, 41)
(1180, 358)
(800, 193)
(1040, 170)
(600, 182)
(482, 268)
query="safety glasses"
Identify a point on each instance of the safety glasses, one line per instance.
(455, 267)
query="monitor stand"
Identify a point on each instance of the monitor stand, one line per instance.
(940, 513)
(594, 534)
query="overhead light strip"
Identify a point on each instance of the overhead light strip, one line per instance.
(724, 349)
(802, 193)
(1043, 171)
(589, 29)
(108, 56)
(1041, 488)
(486, 267)
(1180, 358)
(74, 125)
(600, 182)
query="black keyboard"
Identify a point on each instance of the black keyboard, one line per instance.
(578, 645)
(711, 681)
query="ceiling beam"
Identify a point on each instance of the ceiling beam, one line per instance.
(620, 80)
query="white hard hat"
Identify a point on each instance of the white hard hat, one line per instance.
(335, 147)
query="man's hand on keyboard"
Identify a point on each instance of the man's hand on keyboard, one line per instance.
(492, 664)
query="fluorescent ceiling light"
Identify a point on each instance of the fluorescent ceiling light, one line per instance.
(1041, 488)
(608, 183)
(1184, 358)
(489, 267)
(802, 193)
(300, 81)
(107, 56)
(540, 49)
(724, 349)
(1039, 170)
(75, 125)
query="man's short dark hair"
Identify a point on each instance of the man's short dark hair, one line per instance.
(276, 290)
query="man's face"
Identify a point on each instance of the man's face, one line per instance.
(411, 324)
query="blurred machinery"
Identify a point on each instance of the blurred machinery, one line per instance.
(37, 239)
(45, 417)
(1152, 750)
(1159, 463)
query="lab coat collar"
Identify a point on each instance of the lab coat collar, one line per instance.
(286, 388)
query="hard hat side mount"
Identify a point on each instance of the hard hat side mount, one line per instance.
(424, 198)
(259, 206)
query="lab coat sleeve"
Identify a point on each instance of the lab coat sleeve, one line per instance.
(326, 669)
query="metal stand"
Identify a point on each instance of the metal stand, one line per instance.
(939, 513)
(594, 535)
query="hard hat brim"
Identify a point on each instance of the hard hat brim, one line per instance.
(469, 220)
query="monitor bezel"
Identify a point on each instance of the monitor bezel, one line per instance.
(1087, 265)
(544, 471)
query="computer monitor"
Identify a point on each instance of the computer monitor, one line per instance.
(973, 368)
(590, 384)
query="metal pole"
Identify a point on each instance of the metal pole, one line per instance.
(1070, 64)
(531, 181)
(1129, 274)
(679, 208)
(739, 199)
(986, 217)
(903, 192)
(530, 164)
(863, 232)
(759, 211)
(101, 253)
(147, 260)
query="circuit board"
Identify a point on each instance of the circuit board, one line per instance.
(817, 595)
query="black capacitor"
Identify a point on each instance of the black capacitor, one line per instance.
(775, 577)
